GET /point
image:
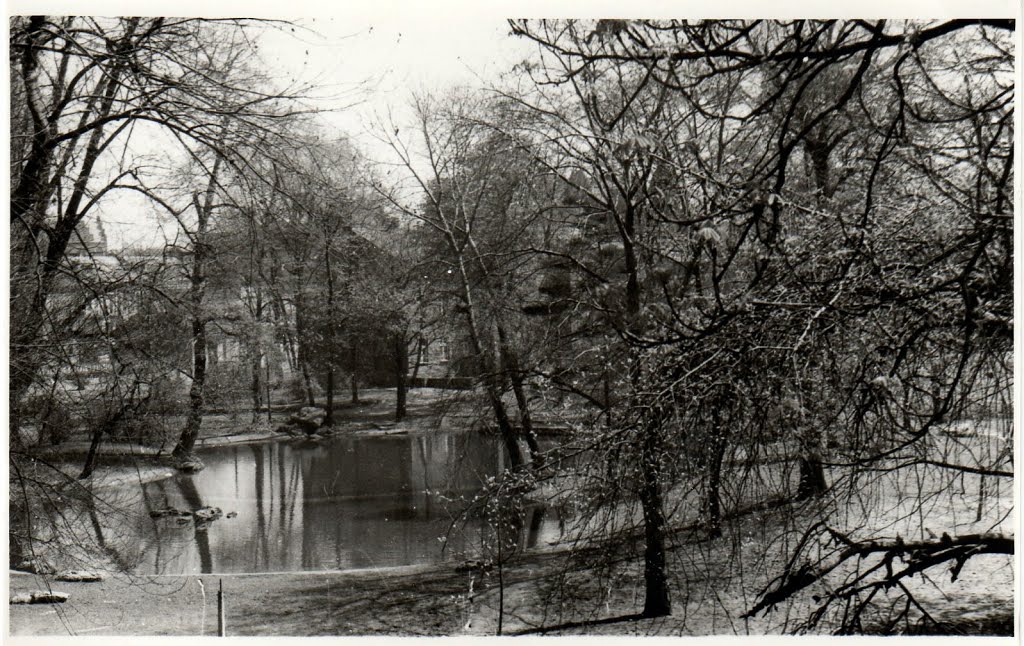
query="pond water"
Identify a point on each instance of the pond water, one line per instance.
(348, 503)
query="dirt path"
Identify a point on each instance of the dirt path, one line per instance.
(416, 601)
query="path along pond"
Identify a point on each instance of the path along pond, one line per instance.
(357, 502)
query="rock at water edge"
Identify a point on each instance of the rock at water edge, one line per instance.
(80, 576)
(39, 596)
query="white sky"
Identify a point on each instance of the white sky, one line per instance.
(375, 62)
(360, 64)
(375, 53)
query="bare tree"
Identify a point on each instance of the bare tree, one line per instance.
(84, 88)
(779, 283)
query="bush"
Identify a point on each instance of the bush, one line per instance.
(295, 388)
(52, 418)
(154, 419)
(228, 384)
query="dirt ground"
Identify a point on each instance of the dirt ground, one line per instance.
(294, 604)
(709, 592)
(445, 599)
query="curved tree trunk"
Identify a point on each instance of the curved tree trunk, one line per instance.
(511, 365)
(197, 289)
(196, 394)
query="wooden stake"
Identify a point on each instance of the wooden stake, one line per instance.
(221, 626)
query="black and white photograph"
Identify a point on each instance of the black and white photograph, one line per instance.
(439, 320)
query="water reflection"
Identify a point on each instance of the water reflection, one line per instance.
(352, 503)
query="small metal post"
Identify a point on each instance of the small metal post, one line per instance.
(221, 627)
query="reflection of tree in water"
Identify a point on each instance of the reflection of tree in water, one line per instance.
(262, 553)
(195, 501)
(349, 504)
(537, 513)
(62, 523)
(165, 531)
(111, 542)
(276, 504)
(121, 561)
(290, 492)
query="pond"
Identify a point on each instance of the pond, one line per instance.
(347, 503)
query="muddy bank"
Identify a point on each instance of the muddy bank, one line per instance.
(714, 582)
(433, 600)
(558, 589)
(416, 600)
(123, 462)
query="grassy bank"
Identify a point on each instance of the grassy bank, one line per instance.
(561, 590)
(712, 589)
(415, 601)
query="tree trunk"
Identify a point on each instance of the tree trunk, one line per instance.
(266, 385)
(812, 473)
(524, 418)
(713, 511)
(302, 351)
(197, 289)
(97, 438)
(656, 597)
(307, 384)
(187, 440)
(490, 379)
(516, 377)
(354, 383)
(515, 455)
(329, 418)
(419, 358)
(90, 458)
(257, 391)
(812, 477)
(401, 370)
(607, 392)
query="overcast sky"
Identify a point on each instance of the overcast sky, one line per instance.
(365, 57)
(365, 65)
(359, 65)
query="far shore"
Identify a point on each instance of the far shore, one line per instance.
(123, 461)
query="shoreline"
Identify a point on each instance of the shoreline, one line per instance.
(135, 463)
(447, 598)
(440, 599)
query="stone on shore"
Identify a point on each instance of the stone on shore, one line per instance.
(169, 511)
(80, 576)
(189, 464)
(206, 514)
(39, 596)
(308, 420)
(34, 566)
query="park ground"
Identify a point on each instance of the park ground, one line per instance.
(446, 599)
